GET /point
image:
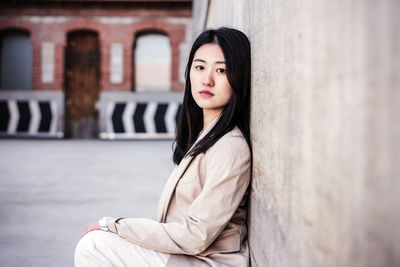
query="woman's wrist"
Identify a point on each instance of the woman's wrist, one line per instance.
(103, 222)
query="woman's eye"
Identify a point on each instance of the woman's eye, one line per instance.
(220, 70)
(199, 67)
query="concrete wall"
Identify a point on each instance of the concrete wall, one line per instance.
(325, 129)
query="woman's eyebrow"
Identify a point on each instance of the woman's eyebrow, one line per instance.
(203, 61)
(198, 59)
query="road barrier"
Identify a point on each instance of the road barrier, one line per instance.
(138, 115)
(122, 115)
(31, 113)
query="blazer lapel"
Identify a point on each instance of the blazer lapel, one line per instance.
(171, 184)
(177, 174)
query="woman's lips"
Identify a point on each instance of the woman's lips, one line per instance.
(206, 94)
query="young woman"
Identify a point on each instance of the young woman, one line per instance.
(202, 210)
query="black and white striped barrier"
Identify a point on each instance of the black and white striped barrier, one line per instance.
(30, 114)
(144, 116)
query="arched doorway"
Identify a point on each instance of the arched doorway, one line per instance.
(15, 59)
(82, 84)
(151, 62)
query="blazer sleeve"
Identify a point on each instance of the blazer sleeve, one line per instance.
(227, 179)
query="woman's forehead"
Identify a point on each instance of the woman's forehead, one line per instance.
(209, 53)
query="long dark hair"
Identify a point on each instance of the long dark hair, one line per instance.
(236, 49)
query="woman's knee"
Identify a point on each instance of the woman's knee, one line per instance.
(87, 244)
(94, 249)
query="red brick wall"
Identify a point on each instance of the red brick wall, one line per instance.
(108, 33)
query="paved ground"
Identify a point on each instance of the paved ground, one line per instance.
(50, 190)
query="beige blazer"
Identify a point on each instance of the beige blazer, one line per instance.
(202, 210)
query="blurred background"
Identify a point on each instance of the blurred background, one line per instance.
(90, 69)
(90, 92)
(74, 76)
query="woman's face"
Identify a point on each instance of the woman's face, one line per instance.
(210, 87)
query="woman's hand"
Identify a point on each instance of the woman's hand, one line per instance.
(93, 227)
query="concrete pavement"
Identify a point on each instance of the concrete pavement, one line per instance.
(50, 190)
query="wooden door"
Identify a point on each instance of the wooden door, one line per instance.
(82, 84)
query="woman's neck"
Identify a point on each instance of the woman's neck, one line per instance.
(209, 116)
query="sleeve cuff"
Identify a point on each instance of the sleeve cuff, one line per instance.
(111, 224)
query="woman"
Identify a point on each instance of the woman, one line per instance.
(202, 211)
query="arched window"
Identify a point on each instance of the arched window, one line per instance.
(152, 63)
(15, 60)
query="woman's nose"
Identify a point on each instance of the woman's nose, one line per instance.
(208, 79)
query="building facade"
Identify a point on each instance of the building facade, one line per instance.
(73, 65)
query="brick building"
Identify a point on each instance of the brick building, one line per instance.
(84, 68)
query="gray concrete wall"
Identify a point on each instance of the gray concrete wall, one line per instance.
(325, 130)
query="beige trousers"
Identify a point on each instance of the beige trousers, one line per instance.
(100, 248)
